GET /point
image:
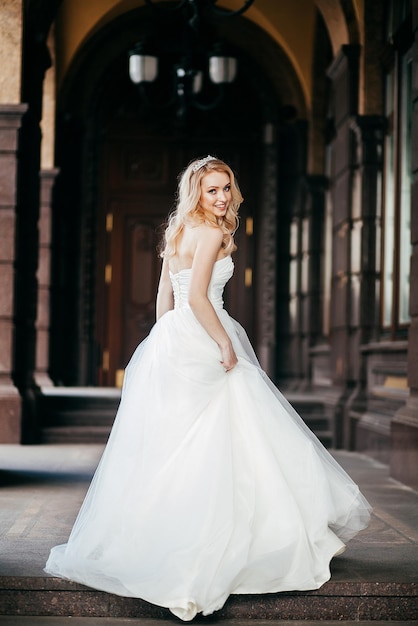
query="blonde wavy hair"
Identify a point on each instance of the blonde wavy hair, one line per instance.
(189, 211)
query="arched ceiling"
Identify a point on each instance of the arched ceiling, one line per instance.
(267, 68)
(290, 24)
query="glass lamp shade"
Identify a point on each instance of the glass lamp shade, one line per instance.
(197, 82)
(142, 68)
(222, 69)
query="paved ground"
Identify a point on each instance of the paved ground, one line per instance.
(42, 488)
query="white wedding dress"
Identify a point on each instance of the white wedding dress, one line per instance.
(210, 484)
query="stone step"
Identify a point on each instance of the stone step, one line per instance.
(49, 408)
(312, 410)
(77, 415)
(75, 398)
(338, 601)
(14, 620)
(75, 434)
(81, 417)
(325, 437)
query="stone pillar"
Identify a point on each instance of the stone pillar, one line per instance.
(267, 262)
(344, 76)
(364, 260)
(404, 426)
(312, 258)
(10, 401)
(42, 325)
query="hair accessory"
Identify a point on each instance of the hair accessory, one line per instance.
(202, 162)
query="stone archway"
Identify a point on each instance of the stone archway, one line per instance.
(272, 91)
(340, 20)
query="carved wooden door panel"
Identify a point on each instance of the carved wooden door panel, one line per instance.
(136, 271)
(138, 193)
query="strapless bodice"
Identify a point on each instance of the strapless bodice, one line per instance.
(222, 272)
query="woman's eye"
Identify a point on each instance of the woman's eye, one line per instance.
(212, 191)
(227, 188)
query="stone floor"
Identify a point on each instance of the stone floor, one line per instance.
(100, 621)
(42, 488)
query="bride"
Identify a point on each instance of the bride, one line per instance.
(210, 483)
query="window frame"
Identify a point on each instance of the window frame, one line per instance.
(398, 49)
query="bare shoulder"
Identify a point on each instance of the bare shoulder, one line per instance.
(208, 246)
(209, 234)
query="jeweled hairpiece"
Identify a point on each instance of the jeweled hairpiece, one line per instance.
(202, 162)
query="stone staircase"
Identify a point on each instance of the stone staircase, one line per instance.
(311, 408)
(77, 414)
(42, 487)
(86, 414)
(337, 601)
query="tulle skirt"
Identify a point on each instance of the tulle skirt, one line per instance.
(210, 484)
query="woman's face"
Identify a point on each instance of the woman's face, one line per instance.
(215, 193)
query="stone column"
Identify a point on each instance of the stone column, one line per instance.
(10, 400)
(404, 426)
(364, 260)
(344, 76)
(267, 262)
(316, 187)
(47, 177)
(42, 325)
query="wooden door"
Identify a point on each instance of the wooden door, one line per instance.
(135, 269)
(137, 196)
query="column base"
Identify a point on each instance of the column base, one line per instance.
(10, 415)
(42, 379)
(404, 444)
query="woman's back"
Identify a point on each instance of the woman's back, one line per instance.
(187, 244)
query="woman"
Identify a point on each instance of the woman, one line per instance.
(210, 484)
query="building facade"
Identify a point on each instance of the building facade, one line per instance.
(320, 125)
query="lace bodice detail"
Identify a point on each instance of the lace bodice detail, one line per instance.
(222, 272)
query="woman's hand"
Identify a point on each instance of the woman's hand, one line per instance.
(229, 358)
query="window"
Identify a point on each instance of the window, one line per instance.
(327, 253)
(397, 170)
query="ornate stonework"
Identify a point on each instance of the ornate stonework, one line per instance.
(267, 266)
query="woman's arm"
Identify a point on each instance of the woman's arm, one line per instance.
(165, 298)
(209, 241)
